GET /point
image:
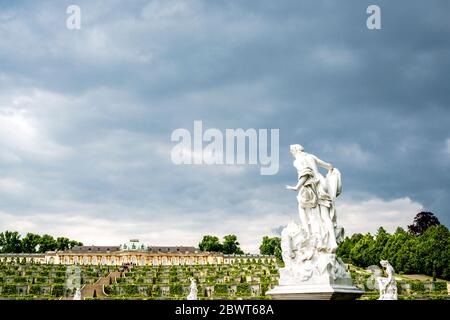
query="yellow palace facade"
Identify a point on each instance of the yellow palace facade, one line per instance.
(136, 253)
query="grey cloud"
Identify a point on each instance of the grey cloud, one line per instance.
(375, 104)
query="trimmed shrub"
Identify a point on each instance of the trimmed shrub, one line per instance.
(131, 289)
(58, 290)
(243, 289)
(35, 289)
(9, 289)
(417, 287)
(20, 279)
(156, 291)
(220, 289)
(59, 280)
(264, 287)
(176, 289)
(440, 286)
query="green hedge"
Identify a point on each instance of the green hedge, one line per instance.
(264, 287)
(156, 291)
(130, 289)
(58, 290)
(220, 289)
(243, 289)
(440, 286)
(417, 287)
(9, 289)
(35, 289)
(176, 289)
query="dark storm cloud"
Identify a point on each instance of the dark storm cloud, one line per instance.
(107, 97)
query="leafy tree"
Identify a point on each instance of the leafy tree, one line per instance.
(210, 243)
(29, 242)
(74, 243)
(346, 246)
(10, 242)
(63, 243)
(434, 251)
(375, 250)
(428, 253)
(422, 221)
(360, 254)
(47, 243)
(271, 246)
(231, 245)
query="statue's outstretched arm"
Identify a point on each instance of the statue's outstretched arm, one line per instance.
(323, 164)
(299, 184)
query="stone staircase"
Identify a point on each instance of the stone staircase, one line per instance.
(89, 289)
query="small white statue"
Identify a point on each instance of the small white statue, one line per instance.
(193, 293)
(77, 295)
(387, 286)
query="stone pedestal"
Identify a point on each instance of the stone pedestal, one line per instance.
(315, 292)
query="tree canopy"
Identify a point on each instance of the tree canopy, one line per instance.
(271, 246)
(210, 243)
(230, 244)
(11, 242)
(428, 253)
(422, 221)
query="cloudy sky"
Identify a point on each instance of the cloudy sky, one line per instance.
(86, 115)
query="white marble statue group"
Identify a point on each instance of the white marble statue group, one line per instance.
(309, 248)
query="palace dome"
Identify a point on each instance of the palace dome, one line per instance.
(133, 244)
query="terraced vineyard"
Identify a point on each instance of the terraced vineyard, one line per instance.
(45, 281)
(249, 280)
(38, 281)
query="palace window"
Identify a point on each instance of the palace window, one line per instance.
(174, 260)
(143, 261)
(155, 262)
(94, 261)
(164, 261)
(103, 260)
(85, 260)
